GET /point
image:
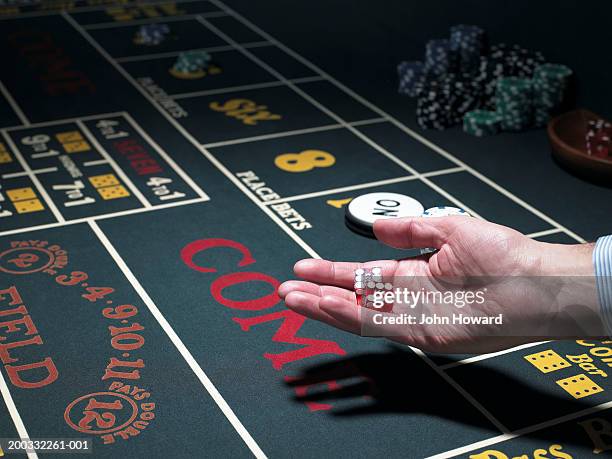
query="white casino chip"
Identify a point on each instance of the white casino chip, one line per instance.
(365, 209)
(444, 211)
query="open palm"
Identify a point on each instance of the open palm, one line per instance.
(472, 254)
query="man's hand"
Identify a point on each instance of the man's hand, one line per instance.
(472, 254)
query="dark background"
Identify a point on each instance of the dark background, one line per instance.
(361, 42)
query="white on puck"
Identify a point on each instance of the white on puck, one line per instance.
(367, 208)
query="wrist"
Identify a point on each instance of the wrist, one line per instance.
(570, 269)
(564, 260)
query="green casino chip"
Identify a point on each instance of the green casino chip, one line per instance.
(550, 83)
(514, 102)
(482, 122)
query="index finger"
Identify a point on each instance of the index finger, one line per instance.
(339, 273)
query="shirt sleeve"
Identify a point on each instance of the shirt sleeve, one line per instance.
(602, 259)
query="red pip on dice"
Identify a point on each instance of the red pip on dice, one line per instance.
(598, 138)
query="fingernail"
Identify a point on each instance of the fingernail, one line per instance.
(302, 265)
(284, 289)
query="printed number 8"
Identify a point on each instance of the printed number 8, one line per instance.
(304, 161)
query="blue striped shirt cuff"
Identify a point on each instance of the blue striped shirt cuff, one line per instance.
(602, 259)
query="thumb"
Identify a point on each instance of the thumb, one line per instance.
(416, 232)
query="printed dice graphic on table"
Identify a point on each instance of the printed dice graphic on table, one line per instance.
(72, 141)
(547, 361)
(579, 386)
(21, 194)
(70, 136)
(113, 192)
(31, 205)
(100, 181)
(76, 147)
(5, 157)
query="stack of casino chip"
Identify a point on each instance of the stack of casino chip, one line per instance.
(514, 103)
(442, 101)
(598, 137)
(550, 83)
(489, 71)
(151, 34)
(503, 61)
(191, 61)
(468, 43)
(433, 109)
(459, 83)
(366, 284)
(482, 122)
(517, 61)
(463, 92)
(410, 74)
(440, 57)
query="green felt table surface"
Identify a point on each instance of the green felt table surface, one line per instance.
(152, 216)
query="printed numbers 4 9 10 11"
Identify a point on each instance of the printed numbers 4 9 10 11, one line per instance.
(96, 293)
(120, 312)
